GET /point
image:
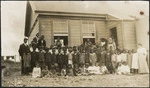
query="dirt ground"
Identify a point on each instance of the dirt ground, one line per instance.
(110, 80)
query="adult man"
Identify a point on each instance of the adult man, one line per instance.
(23, 49)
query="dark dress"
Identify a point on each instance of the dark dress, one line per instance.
(108, 59)
(75, 58)
(47, 56)
(53, 59)
(23, 49)
(103, 56)
(98, 54)
(59, 57)
(82, 58)
(87, 58)
(65, 60)
(34, 59)
(41, 59)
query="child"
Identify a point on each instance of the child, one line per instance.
(123, 56)
(103, 54)
(41, 57)
(108, 58)
(98, 54)
(53, 57)
(118, 57)
(36, 73)
(129, 60)
(70, 56)
(76, 70)
(75, 57)
(110, 68)
(92, 57)
(47, 56)
(45, 72)
(114, 61)
(65, 58)
(104, 69)
(59, 57)
(123, 68)
(63, 71)
(135, 61)
(87, 56)
(34, 58)
(82, 56)
(70, 70)
(81, 68)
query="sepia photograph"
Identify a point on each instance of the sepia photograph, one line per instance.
(75, 43)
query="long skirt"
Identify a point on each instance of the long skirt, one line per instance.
(143, 66)
(135, 61)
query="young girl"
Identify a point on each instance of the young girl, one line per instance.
(123, 56)
(82, 56)
(118, 57)
(45, 72)
(47, 57)
(92, 57)
(123, 68)
(129, 60)
(135, 61)
(36, 71)
(103, 55)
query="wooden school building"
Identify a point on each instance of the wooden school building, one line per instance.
(74, 27)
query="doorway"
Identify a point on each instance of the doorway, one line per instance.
(113, 32)
(63, 39)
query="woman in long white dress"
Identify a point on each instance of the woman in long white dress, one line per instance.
(143, 66)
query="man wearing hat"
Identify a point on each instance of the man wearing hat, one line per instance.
(23, 49)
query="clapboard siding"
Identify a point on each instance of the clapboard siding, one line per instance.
(75, 32)
(129, 35)
(46, 29)
(34, 31)
(101, 31)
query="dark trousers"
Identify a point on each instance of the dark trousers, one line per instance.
(22, 67)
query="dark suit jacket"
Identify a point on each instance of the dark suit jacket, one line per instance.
(23, 49)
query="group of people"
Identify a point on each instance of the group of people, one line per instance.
(86, 59)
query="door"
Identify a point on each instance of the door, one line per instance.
(113, 33)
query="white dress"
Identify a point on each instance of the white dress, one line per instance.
(124, 57)
(118, 58)
(36, 72)
(143, 66)
(135, 61)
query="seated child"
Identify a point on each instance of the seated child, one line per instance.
(76, 70)
(123, 68)
(81, 68)
(86, 69)
(45, 72)
(36, 71)
(110, 68)
(94, 69)
(104, 69)
(63, 71)
(70, 70)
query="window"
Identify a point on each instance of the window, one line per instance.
(60, 26)
(88, 28)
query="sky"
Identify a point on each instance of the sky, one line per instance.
(13, 19)
(12, 26)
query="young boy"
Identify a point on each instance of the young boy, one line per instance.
(63, 71)
(47, 56)
(75, 57)
(41, 57)
(36, 73)
(53, 57)
(70, 57)
(70, 70)
(65, 58)
(59, 57)
(45, 72)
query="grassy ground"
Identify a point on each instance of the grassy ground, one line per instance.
(138, 80)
